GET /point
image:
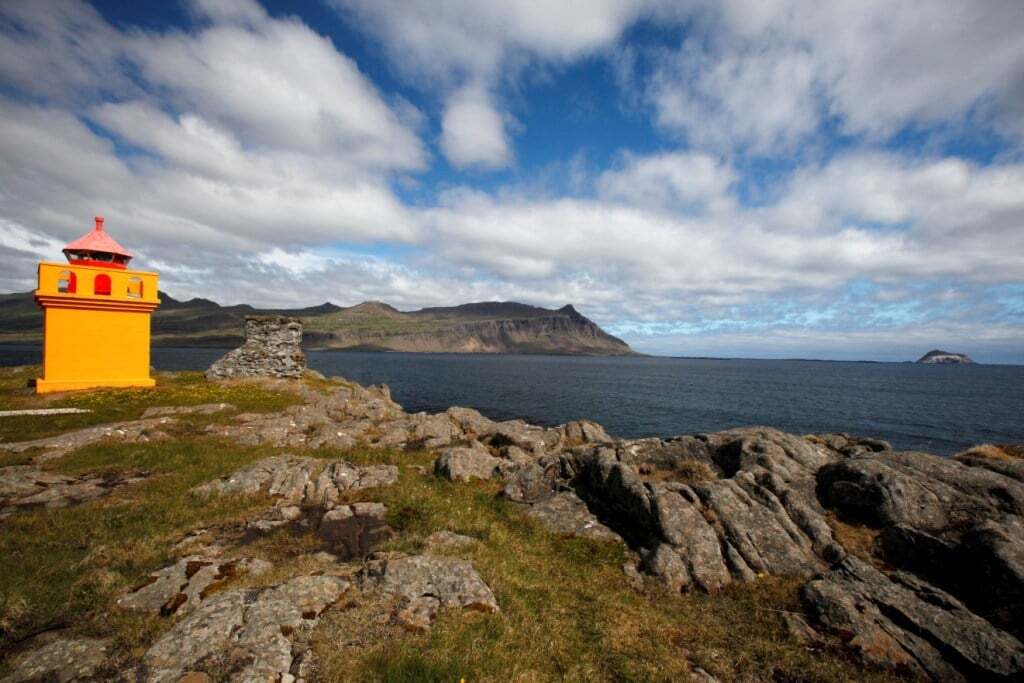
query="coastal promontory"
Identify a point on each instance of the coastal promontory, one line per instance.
(481, 327)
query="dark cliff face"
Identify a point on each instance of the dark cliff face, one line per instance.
(482, 327)
(473, 328)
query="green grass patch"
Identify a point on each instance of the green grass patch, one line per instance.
(115, 405)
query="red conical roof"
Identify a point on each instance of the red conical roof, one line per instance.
(97, 240)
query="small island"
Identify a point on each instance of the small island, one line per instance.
(936, 356)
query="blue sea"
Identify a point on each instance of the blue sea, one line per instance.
(935, 408)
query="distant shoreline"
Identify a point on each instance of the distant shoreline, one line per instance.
(26, 345)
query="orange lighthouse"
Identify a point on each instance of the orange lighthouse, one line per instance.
(96, 316)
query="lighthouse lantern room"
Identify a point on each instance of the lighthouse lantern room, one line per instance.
(96, 317)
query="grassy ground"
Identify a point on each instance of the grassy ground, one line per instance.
(567, 610)
(113, 405)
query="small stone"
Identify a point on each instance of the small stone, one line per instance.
(447, 540)
(419, 613)
(633, 576)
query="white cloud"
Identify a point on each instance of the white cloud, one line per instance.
(464, 49)
(246, 156)
(674, 180)
(277, 83)
(243, 131)
(472, 131)
(448, 41)
(766, 75)
(861, 217)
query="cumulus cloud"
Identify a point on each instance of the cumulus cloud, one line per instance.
(472, 131)
(464, 48)
(861, 217)
(673, 179)
(451, 40)
(248, 159)
(769, 75)
(242, 131)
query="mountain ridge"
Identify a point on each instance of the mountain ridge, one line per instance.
(476, 327)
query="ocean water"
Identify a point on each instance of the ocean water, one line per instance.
(936, 408)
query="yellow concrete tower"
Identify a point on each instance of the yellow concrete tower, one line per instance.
(96, 316)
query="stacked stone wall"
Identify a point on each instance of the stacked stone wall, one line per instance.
(272, 348)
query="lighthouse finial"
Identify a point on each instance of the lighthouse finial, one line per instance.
(99, 223)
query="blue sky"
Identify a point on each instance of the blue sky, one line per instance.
(740, 178)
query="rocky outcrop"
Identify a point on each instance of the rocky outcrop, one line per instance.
(427, 583)
(134, 431)
(467, 463)
(293, 480)
(182, 586)
(564, 513)
(945, 599)
(903, 623)
(54, 658)
(272, 348)
(253, 635)
(24, 487)
(958, 524)
(936, 356)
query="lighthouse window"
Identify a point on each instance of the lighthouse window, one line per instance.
(101, 285)
(66, 282)
(135, 287)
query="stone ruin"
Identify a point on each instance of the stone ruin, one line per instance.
(272, 348)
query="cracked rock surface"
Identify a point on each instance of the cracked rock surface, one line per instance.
(944, 598)
(24, 487)
(301, 481)
(55, 659)
(181, 587)
(253, 635)
(134, 431)
(427, 583)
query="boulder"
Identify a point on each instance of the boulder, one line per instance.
(532, 483)
(447, 541)
(463, 464)
(470, 421)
